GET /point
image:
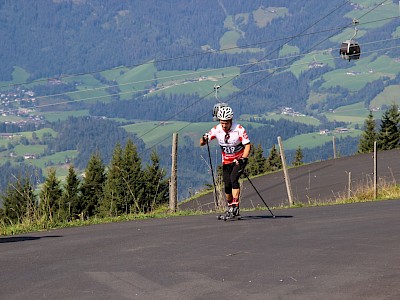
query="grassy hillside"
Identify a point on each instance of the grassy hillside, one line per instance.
(123, 63)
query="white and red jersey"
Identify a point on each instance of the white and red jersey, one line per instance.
(231, 142)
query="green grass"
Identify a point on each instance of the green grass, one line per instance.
(11, 119)
(54, 116)
(154, 133)
(229, 40)
(301, 119)
(387, 97)
(57, 159)
(354, 114)
(263, 16)
(365, 70)
(302, 64)
(205, 87)
(29, 149)
(312, 140)
(20, 75)
(372, 12)
(288, 50)
(274, 116)
(44, 224)
(316, 98)
(386, 191)
(39, 133)
(90, 90)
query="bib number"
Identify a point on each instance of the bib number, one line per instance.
(228, 149)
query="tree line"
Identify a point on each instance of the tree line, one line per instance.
(386, 136)
(124, 186)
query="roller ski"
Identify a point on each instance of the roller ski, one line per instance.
(232, 213)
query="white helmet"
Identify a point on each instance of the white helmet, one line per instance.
(225, 113)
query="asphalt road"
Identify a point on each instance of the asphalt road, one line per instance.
(323, 181)
(332, 252)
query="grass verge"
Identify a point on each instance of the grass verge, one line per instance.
(387, 191)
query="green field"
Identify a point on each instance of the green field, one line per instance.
(19, 76)
(304, 63)
(54, 116)
(365, 70)
(154, 133)
(372, 12)
(312, 140)
(354, 114)
(389, 96)
(288, 50)
(90, 89)
(263, 16)
(39, 133)
(300, 119)
(56, 161)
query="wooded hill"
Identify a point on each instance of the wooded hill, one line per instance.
(123, 64)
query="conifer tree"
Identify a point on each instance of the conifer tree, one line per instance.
(132, 176)
(389, 135)
(274, 161)
(115, 187)
(369, 136)
(298, 158)
(72, 196)
(19, 201)
(257, 161)
(51, 202)
(92, 186)
(156, 185)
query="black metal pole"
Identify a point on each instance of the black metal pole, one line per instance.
(212, 174)
(245, 174)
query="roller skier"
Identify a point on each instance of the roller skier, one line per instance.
(235, 147)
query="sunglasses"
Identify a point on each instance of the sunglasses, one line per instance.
(227, 136)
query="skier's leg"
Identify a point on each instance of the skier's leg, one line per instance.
(235, 175)
(226, 176)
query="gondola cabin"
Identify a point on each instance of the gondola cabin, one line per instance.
(350, 50)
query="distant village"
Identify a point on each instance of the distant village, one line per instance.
(289, 111)
(20, 103)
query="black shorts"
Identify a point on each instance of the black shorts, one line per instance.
(231, 174)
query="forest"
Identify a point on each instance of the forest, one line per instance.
(80, 43)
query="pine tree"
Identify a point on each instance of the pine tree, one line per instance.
(19, 201)
(92, 186)
(132, 175)
(389, 135)
(298, 158)
(369, 136)
(51, 202)
(156, 185)
(274, 161)
(257, 161)
(115, 187)
(72, 196)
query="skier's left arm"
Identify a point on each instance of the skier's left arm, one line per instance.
(246, 142)
(246, 151)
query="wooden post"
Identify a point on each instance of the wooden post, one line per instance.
(285, 172)
(349, 187)
(334, 147)
(375, 172)
(173, 198)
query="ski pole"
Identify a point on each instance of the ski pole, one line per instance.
(212, 174)
(245, 174)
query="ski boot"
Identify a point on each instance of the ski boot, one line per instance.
(231, 213)
(236, 211)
